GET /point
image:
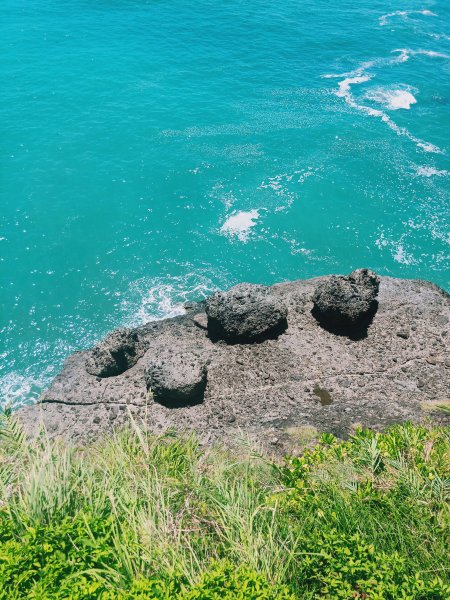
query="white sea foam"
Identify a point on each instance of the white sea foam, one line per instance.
(159, 303)
(397, 249)
(439, 36)
(345, 92)
(295, 246)
(164, 297)
(18, 390)
(355, 73)
(280, 186)
(392, 99)
(431, 172)
(240, 224)
(384, 20)
(403, 257)
(285, 186)
(361, 75)
(404, 54)
(345, 84)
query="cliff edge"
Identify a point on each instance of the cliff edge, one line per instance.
(265, 362)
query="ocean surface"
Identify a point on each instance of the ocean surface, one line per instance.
(154, 151)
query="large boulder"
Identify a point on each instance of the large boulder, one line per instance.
(246, 313)
(177, 377)
(346, 302)
(117, 353)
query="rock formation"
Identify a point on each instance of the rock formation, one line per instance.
(247, 313)
(256, 362)
(117, 353)
(177, 377)
(345, 303)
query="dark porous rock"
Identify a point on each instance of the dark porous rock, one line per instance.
(344, 304)
(246, 313)
(177, 378)
(117, 353)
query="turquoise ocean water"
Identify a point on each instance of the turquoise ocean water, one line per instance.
(154, 151)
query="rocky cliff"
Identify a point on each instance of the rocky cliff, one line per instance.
(264, 362)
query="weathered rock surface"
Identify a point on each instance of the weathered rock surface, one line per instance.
(246, 313)
(344, 303)
(114, 355)
(270, 391)
(177, 377)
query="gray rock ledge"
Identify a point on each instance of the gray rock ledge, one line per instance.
(269, 391)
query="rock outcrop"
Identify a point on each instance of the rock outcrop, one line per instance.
(299, 376)
(117, 353)
(346, 303)
(247, 313)
(177, 377)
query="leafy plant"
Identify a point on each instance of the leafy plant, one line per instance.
(225, 582)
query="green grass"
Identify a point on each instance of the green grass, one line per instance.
(137, 516)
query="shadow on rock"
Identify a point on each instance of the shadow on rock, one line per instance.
(217, 334)
(356, 331)
(180, 402)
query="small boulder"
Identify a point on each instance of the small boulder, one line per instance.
(343, 302)
(117, 353)
(246, 313)
(177, 378)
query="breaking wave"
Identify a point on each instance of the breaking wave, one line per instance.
(392, 99)
(240, 224)
(362, 75)
(18, 390)
(431, 171)
(164, 297)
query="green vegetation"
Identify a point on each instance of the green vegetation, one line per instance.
(140, 517)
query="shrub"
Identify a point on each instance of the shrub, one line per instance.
(225, 582)
(374, 514)
(54, 561)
